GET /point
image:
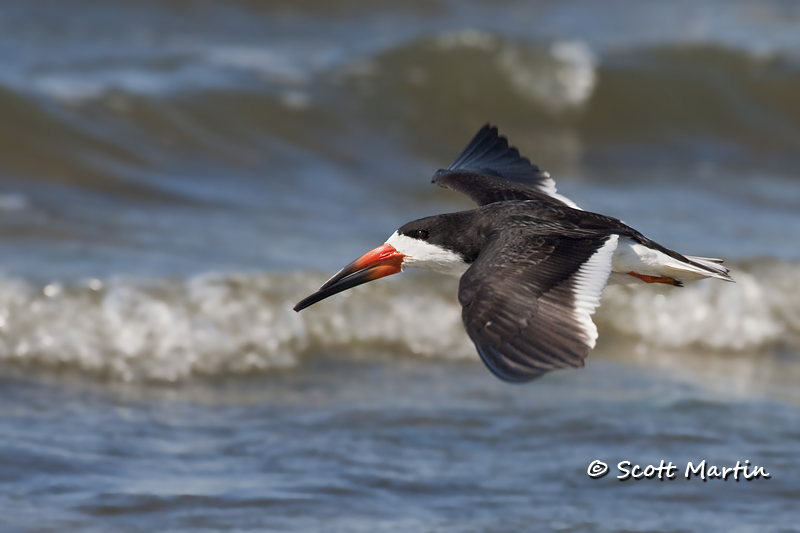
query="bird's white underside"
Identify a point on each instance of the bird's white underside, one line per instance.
(628, 256)
(608, 265)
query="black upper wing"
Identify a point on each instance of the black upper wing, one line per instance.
(488, 171)
(527, 300)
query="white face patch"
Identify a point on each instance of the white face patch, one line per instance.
(421, 254)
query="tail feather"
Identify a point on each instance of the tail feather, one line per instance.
(705, 259)
(713, 266)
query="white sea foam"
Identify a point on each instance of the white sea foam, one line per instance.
(561, 77)
(762, 308)
(212, 324)
(564, 78)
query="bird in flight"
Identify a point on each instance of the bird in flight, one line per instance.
(532, 264)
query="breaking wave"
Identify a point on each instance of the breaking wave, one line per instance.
(86, 121)
(209, 325)
(213, 324)
(761, 309)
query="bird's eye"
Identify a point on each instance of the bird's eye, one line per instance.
(421, 234)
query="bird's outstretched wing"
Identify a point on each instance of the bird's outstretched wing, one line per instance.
(488, 171)
(527, 300)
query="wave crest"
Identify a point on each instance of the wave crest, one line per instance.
(759, 310)
(215, 324)
(210, 325)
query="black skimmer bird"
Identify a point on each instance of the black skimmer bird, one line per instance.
(532, 263)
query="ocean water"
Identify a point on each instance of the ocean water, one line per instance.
(175, 176)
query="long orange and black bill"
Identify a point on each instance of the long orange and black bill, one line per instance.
(381, 262)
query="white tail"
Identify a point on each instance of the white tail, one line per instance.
(632, 256)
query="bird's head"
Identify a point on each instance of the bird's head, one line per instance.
(431, 243)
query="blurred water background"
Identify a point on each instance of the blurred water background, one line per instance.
(175, 175)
